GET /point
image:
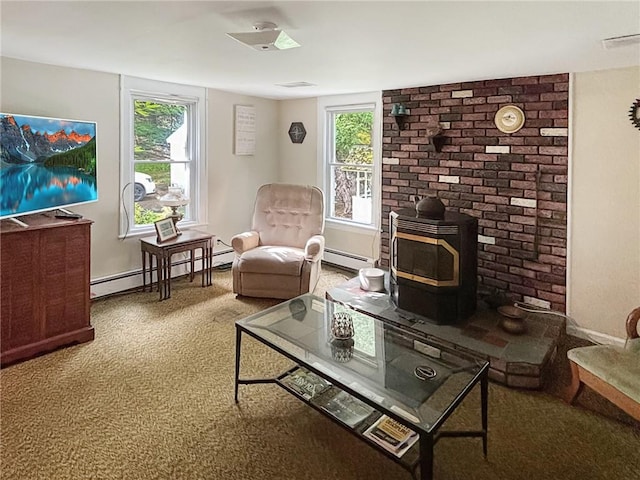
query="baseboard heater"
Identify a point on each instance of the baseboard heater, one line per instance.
(347, 260)
(133, 279)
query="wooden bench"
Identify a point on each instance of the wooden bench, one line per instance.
(613, 372)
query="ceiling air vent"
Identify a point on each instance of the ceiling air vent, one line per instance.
(623, 41)
(296, 84)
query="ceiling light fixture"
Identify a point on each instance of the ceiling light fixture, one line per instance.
(266, 37)
(622, 41)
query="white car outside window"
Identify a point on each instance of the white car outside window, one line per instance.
(143, 186)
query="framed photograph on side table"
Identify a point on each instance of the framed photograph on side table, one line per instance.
(166, 229)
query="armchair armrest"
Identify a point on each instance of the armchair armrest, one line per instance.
(314, 248)
(245, 241)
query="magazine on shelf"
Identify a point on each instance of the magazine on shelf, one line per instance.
(347, 408)
(392, 435)
(305, 383)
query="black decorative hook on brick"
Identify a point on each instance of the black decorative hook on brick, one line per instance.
(399, 113)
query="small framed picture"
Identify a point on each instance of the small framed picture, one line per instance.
(166, 229)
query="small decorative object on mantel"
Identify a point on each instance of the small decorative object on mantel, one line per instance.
(634, 113)
(509, 119)
(341, 325)
(432, 132)
(297, 132)
(399, 113)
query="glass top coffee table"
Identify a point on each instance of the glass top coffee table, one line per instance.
(358, 370)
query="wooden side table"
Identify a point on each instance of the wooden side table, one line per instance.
(189, 241)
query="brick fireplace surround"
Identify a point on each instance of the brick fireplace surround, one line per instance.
(515, 184)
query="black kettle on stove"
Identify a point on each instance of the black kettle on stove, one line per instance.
(429, 207)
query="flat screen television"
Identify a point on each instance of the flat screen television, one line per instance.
(45, 163)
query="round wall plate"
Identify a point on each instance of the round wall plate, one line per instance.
(509, 119)
(634, 113)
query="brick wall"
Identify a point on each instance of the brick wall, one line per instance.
(515, 184)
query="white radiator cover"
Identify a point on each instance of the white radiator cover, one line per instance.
(347, 260)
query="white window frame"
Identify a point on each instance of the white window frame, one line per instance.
(131, 89)
(327, 107)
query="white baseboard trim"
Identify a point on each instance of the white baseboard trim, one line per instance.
(595, 337)
(120, 282)
(347, 260)
(224, 257)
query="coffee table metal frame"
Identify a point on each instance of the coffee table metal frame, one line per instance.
(427, 436)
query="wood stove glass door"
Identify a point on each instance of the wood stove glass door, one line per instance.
(432, 261)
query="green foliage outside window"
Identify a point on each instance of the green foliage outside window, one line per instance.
(353, 137)
(143, 216)
(154, 122)
(159, 172)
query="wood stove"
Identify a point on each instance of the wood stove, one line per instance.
(434, 264)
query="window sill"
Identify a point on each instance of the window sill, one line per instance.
(151, 230)
(350, 226)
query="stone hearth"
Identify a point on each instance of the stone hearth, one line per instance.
(515, 360)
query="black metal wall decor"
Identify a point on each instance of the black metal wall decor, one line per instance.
(634, 113)
(297, 132)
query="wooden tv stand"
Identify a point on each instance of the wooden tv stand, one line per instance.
(44, 285)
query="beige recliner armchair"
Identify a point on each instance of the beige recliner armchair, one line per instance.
(280, 257)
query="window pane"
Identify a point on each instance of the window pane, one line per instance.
(353, 137)
(351, 192)
(160, 131)
(152, 181)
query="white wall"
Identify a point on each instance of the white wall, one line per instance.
(234, 179)
(39, 89)
(298, 160)
(52, 91)
(299, 164)
(604, 246)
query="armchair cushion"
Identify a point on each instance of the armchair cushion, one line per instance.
(288, 215)
(314, 248)
(616, 366)
(245, 241)
(272, 260)
(610, 370)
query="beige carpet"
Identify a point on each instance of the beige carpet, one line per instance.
(152, 398)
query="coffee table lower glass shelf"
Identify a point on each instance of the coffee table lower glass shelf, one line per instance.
(379, 371)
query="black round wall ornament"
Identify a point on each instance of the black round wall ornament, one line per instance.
(634, 113)
(297, 132)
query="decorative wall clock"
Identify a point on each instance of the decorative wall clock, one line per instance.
(634, 113)
(509, 119)
(297, 132)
